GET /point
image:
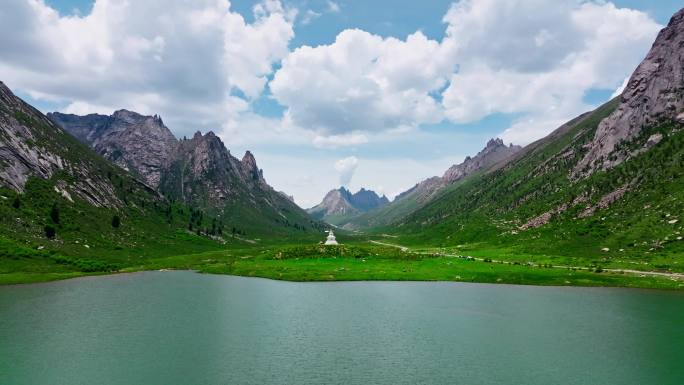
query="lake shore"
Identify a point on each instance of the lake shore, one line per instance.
(373, 268)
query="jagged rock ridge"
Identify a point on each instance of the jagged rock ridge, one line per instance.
(139, 144)
(199, 171)
(653, 94)
(495, 151)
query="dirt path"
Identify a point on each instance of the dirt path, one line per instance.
(403, 248)
(677, 276)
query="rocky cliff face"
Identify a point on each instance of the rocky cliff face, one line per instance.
(139, 144)
(654, 93)
(342, 202)
(33, 146)
(201, 169)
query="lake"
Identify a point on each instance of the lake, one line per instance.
(188, 328)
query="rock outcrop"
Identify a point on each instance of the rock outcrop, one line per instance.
(139, 144)
(33, 146)
(654, 93)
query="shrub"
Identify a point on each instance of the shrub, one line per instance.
(49, 231)
(54, 213)
(16, 203)
(116, 221)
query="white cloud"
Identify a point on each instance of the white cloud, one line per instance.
(309, 16)
(201, 65)
(488, 62)
(336, 141)
(314, 179)
(541, 68)
(191, 62)
(333, 6)
(618, 91)
(346, 168)
(362, 82)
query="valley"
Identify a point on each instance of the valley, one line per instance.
(597, 202)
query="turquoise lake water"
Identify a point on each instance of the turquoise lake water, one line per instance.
(188, 328)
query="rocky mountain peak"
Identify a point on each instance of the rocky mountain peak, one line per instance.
(7, 98)
(138, 143)
(132, 117)
(248, 159)
(250, 167)
(494, 142)
(494, 152)
(652, 95)
(127, 116)
(365, 200)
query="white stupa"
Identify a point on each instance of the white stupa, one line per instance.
(331, 239)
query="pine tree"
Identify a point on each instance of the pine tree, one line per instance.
(116, 221)
(49, 231)
(54, 213)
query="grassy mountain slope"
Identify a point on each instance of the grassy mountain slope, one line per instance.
(630, 213)
(65, 211)
(494, 154)
(604, 190)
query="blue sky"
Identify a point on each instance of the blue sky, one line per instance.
(444, 80)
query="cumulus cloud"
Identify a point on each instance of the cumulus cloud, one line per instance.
(201, 65)
(196, 63)
(534, 59)
(336, 141)
(541, 68)
(346, 168)
(362, 82)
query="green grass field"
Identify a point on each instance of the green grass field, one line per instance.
(352, 262)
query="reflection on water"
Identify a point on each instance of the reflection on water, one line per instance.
(187, 328)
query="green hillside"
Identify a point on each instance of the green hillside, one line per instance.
(629, 215)
(77, 213)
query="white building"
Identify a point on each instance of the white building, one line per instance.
(331, 239)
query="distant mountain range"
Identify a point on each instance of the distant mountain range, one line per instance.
(199, 171)
(339, 205)
(336, 211)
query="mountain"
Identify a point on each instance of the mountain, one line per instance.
(65, 210)
(338, 206)
(653, 95)
(495, 152)
(31, 146)
(608, 184)
(199, 172)
(136, 143)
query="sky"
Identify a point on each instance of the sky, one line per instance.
(376, 94)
